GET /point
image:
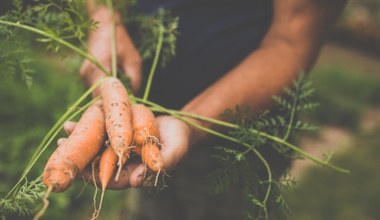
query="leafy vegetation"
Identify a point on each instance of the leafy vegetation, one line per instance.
(281, 122)
(252, 134)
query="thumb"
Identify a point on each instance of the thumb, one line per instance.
(174, 137)
(69, 126)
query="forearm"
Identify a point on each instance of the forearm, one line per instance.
(253, 82)
(290, 47)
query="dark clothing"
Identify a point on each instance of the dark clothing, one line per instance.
(214, 36)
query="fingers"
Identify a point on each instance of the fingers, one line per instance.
(124, 181)
(174, 137)
(131, 66)
(137, 176)
(90, 74)
(61, 141)
(69, 126)
(130, 59)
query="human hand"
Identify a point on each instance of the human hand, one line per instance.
(99, 46)
(174, 138)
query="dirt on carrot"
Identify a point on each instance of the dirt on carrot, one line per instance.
(144, 125)
(118, 117)
(146, 138)
(151, 156)
(74, 154)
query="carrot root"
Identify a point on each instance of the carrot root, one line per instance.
(45, 204)
(95, 214)
(107, 166)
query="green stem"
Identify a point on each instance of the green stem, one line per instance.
(292, 114)
(207, 119)
(59, 40)
(221, 135)
(263, 134)
(155, 61)
(270, 178)
(303, 153)
(113, 39)
(53, 132)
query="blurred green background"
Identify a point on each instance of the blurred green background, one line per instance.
(347, 82)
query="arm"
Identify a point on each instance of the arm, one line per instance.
(290, 46)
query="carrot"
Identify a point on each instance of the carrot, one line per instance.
(72, 156)
(118, 118)
(107, 166)
(146, 136)
(144, 125)
(151, 156)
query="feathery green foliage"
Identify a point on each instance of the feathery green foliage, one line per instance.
(29, 193)
(145, 30)
(63, 23)
(66, 20)
(235, 163)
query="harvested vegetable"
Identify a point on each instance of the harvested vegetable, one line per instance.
(118, 118)
(74, 154)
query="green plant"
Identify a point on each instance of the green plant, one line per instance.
(251, 134)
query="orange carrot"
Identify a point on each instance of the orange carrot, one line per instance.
(151, 156)
(74, 154)
(146, 135)
(107, 166)
(144, 125)
(118, 118)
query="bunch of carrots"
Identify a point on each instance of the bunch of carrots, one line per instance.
(108, 131)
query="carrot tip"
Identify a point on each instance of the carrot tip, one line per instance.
(120, 164)
(157, 175)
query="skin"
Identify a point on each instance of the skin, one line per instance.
(99, 45)
(175, 139)
(291, 45)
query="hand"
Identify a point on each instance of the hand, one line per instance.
(174, 137)
(99, 46)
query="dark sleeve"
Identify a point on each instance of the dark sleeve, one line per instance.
(214, 36)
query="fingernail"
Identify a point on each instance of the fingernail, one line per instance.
(61, 141)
